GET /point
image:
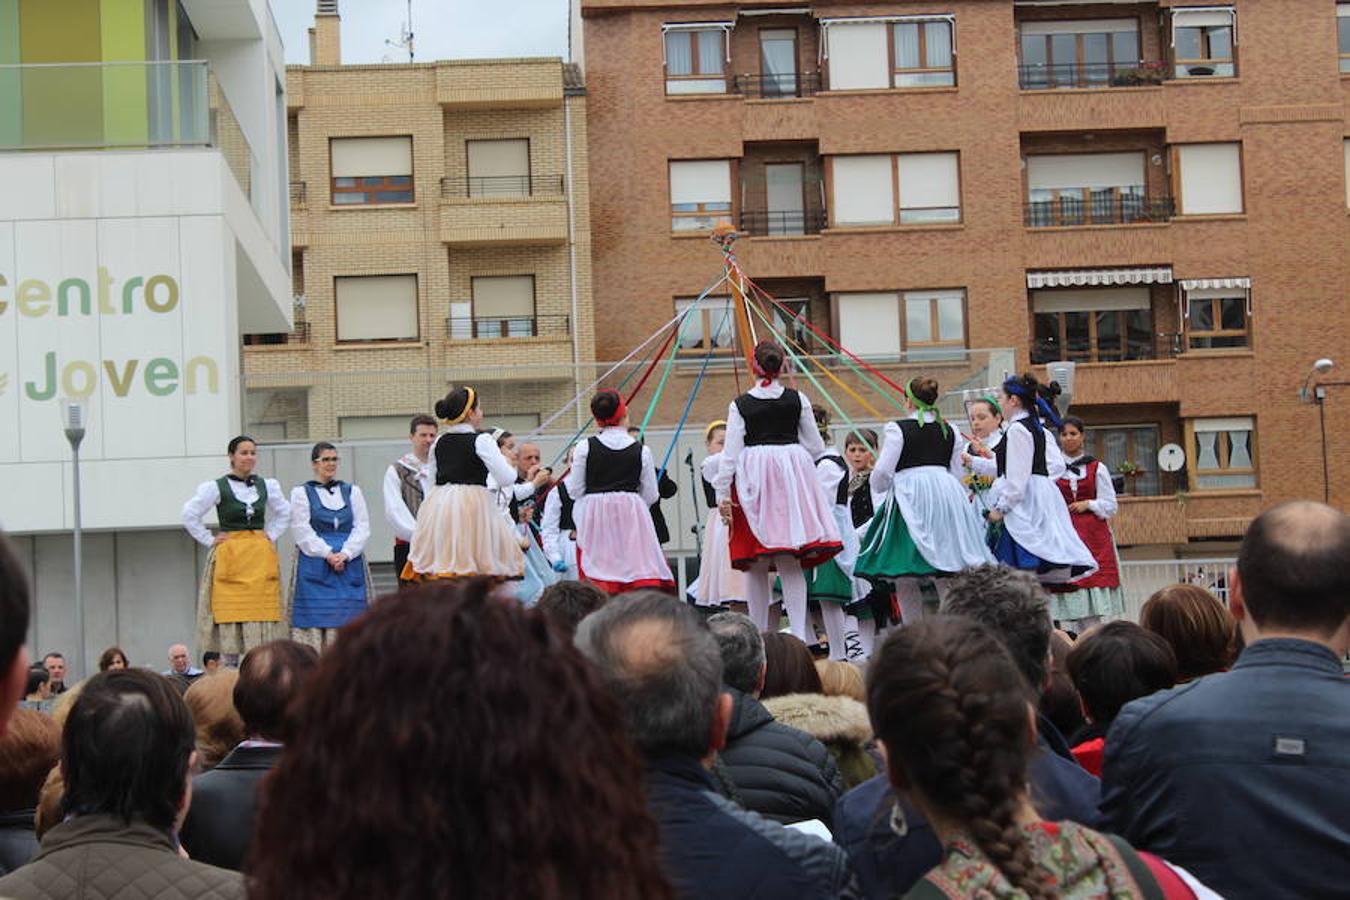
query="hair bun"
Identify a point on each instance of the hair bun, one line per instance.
(1053, 389)
(443, 408)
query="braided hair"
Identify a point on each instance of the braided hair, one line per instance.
(948, 701)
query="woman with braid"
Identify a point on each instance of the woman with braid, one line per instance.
(957, 722)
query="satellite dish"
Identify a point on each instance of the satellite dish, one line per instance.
(1171, 458)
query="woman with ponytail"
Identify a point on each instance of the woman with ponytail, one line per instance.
(927, 527)
(718, 583)
(957, 722)
(767, 492)
(1029, 524)
(613, 484)
(460, 530)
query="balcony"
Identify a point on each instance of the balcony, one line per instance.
(467, 328)
(781, 223)
(783, 86)
(1126, 206)
(502, 186)
(1070, 76)
(503, 209)
(299, 334)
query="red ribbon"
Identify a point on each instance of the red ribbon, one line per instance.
(617, 418)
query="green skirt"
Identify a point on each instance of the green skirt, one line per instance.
(827, 582)
(887, 549)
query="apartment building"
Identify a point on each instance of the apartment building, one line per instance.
(143, 228)
(440, 237)
(1151, 190)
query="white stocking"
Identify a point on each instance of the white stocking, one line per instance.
(944, 586)
(836, 626)
(867, 636)
(911, 600)
(794, 597)
(757, 594)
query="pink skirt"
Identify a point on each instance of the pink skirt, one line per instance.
(718, 582)
(780, 508)
(617, 549)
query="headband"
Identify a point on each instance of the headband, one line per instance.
(713, 426)
(497, 433)
(989, 398)
(617, 418)
(468, 405)
(1031, 401)
(765, 378)
(925, 407)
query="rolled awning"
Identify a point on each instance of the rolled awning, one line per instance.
(1205, 284)
(1100, 277)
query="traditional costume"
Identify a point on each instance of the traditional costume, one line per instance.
(406, 484)
(613, 483)
(831, 584)
(559, 531)
(239, 602)
(328, 518)
(718, 582)
(1083, 603)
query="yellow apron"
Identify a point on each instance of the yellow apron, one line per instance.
(245, 579)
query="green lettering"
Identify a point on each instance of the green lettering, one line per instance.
(161, 376)
(212, 374)
(34, 297)
(121, 385)
(131, 285)
(49, 369)
(63, 296)
(105, 281)
(170, 300)
(78, 367)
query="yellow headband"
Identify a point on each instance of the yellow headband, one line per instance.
(463, 413)
(713, 426)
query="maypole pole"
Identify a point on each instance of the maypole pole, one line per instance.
(725, 236)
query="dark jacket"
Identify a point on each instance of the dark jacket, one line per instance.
(18, 841)
(779, 772)
(1242, 777)
(840, 723)
(220, 821)
(666, 488)
(888, 863)
(99, 857)
(714, 849)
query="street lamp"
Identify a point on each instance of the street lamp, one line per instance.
(74, 418)
(1311, 393)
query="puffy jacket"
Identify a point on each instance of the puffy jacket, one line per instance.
(100, 857)
(840, 723)
(779, 772)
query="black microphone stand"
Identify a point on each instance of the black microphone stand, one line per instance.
(694, 493)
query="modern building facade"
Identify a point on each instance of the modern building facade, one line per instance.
(1151, 190)
(143, 228)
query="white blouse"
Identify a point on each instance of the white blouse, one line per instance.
(276, 517)
(807, 435)
(1021, 450)
(499, 470)
(615, 437)
(1105, 506)
(550, 528)
(309, 541)
(893, 445)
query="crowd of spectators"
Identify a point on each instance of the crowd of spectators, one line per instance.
(636, 747)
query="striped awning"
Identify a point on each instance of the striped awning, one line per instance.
(1205, 284)
(1100, 277)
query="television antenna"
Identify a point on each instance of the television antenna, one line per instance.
(405, 35)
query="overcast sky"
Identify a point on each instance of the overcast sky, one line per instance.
(444, 29)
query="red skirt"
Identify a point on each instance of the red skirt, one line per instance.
(746, 548)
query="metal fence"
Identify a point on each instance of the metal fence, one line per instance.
(1139, 579)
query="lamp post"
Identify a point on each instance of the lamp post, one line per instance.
(73, 418)
(1311, 393)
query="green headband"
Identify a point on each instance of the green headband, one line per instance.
(925, 407)
(989, 398)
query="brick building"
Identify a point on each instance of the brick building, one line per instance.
(440, 236)
(1152, 190)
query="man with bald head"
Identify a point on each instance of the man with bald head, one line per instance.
(1243, 777)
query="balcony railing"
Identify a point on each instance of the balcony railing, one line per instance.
(299, 334)
(1091, 75)
(762, 222)
(1102, 209)
(778, 87)
(1081, 348)
(504, 186)
(297, 193)
(463, 328)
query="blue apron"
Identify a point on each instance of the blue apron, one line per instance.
(325, 598)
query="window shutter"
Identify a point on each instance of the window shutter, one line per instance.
(862, 190)
(376, 308)
(503, 297)
(869, 324)
(371, 156)
(929, 180)
(1085, 170)
(700, 181)
(1211, 178)
(859, 56)
(1096, 300)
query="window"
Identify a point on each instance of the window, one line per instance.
(503, 306)
(869, 324)
(925, 324)
(710, 327)
(935, 324)
(1343, 34)
(1346, 147)
(516, 423)
(1077, 54)
(857, 56)
(696, 60)
(1138, 444)
(1085, 188)
(1216, 319)
(700, 193)
(930, 187)
(863, 187)
(793, 320)
(862, 190)
(373, 427)
(376, 308)
(1203, 41)
(371, 170)
(499, 168)
(1211, 178)
(778, 62)
(1093, 325)
(1223, 453)
(923, 54)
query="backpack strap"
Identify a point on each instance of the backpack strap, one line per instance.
(1149, 889)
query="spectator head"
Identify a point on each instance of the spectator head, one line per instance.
(789, 667)
(56, 668)
(127, 749)
(742, 648)
(210, 662)
(1201, 631)
(1118, 662)
(39, 684)
(947, 704)
(566, 603)
(1060, 702)
(510, 777)
(29, 749)
(179, 661)
(663, 665)
(219, 727)
(112, 658)
(1013, 605)
(527, 457)
(841, 679)
(1292, 577)
(14, 611)
(270, 677)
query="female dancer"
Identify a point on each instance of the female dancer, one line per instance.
(460, 530)
(559, 528)
(768, 493)
(239, 604)
(831, 584)
(1087, 489)
(330, 584)
(718, 583)
(986, 426)
(926, 527)
(613, 483)
(1029, 525)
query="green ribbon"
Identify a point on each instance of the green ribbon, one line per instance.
(925, 407)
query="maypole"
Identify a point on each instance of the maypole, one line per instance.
(725, 237)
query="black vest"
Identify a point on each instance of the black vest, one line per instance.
(457, 460)
(841, 493)
(709, 494)
(926, 445)
(565, 520)
(612, 471)
(770, 421)
(1037, 454)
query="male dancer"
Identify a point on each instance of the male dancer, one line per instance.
(406, 483)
